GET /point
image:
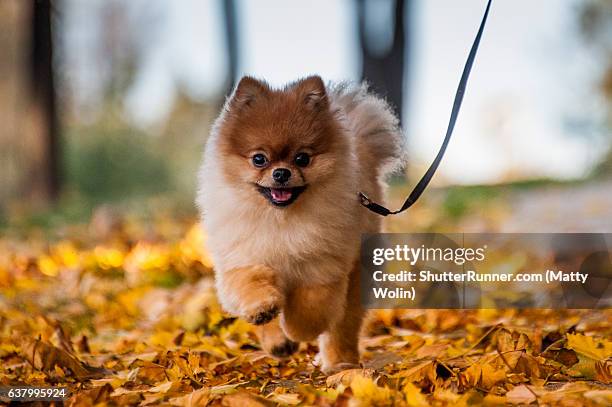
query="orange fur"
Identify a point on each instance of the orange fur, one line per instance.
(298, 260)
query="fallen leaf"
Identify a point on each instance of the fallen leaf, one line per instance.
(44, 356)
(520, 395)
(161, 388)
(91, 397)
(589, 346)
(603, 371)
(287, 398)
(346, 376)
(414, 397)
(196, 398)
(368, 393)
(226, 388)
(244, 399)
(603, 397)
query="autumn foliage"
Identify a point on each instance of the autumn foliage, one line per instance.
(125, 313)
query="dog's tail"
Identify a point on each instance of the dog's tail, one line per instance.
(379, 141)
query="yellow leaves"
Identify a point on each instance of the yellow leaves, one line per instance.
(61, 256)
(146, 258)
(164, 264)
(107, 257)
(446, 396)
(129, 299)
(47, 266)
(162, 339)
(116, 381)
(244, 399)
(290, 399)
(510, 341)
(194, 399)
(420, 371)
(8, 348)
(211, 346)
(66, 254)
(193, 246)
(190, 367)
(160, 263)
(484, 375)
(236, 333)
(367, 393)
(201, 308)
(148, 373)
(173, 345)
(345, 377)
(592, 353)
(163, 387)
(414, 397)
(589, 346)
(226, 388)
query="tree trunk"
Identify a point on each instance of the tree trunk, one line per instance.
(385, 73)
(231, 43)
(46, 169)
(29, 155)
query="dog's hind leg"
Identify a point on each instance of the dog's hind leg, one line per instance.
(339, 346)
(310, 311)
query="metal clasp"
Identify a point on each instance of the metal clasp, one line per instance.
(365, 201)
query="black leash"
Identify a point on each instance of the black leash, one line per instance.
(420, 187)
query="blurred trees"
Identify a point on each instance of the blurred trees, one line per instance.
(231, 42)
(46, 184)
(384, 59)
(29, 134)
(595, 19)
(596, 25)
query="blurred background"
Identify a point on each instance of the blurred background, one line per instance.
(105, 105)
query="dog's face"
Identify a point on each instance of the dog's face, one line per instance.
(280, 144)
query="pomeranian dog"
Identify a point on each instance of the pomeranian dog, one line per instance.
(278, 193)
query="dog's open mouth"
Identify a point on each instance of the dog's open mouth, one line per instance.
(281, 196)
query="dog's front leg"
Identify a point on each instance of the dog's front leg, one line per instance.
(250, 292)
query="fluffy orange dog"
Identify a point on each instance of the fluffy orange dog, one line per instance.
(278, 195)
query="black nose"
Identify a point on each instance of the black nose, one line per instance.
(281, 175)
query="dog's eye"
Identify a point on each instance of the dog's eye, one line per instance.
(259, 160)
(302, 160)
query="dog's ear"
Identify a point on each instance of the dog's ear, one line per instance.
(248, 91)
(312, 90)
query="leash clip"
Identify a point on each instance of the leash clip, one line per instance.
(365, 201)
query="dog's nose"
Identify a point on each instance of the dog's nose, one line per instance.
(281, 175)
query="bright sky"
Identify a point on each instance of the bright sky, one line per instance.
(528, 107)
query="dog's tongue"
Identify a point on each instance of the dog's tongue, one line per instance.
(281, 195)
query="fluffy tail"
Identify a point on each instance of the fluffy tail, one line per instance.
(370, 119)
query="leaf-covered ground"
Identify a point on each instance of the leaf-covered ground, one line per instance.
(123, 312)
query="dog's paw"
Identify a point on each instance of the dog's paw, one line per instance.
(338, 367)
(332, 368)
(285, 349)
(263, 315)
